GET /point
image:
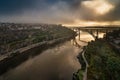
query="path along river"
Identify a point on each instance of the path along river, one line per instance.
(58, 63)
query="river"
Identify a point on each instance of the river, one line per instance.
(58, 63)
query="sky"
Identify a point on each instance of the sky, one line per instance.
(66, 12)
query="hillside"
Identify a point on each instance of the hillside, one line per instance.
(104, 62)
(15, 36)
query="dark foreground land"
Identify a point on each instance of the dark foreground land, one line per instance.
(104, 62)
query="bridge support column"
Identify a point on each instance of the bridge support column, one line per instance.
(106, 31)
(97, 34)
(79, 34)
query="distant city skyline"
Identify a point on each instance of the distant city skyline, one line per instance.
(66, 12)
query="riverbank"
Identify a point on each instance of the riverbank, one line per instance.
(52, 37)
(23, 54)
(23, 35)
(56, 63)
(81, 74)
(104, 62)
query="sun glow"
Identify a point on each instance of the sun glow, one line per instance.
(99, 6)
(92, 23)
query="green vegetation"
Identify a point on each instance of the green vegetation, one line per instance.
(104, 63)
(12, 39)
(78, 75)
(103, 57)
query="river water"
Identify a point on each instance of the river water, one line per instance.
(58, 63)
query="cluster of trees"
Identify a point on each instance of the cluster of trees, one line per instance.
(115, 34)
(15, 38)
(104, 63)
(114, 37)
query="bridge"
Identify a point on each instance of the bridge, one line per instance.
(94, 31)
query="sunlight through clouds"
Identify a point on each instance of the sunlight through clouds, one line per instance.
(66, 12)
(101, 7)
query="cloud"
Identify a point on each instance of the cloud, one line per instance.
(99, 10)
(114, 14)
(13, 6)
(58, 11)
(44, 11)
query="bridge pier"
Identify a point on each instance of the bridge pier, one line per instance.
(79, 34)
(106, 31)
(97, 34)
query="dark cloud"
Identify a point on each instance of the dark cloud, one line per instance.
(53, 11)
(13, 6)
(48, 11)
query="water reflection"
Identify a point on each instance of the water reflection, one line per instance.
(57, 63)
(86, 37)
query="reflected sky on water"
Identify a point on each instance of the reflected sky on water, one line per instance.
(58, 63)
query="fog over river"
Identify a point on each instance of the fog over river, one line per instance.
(58, 63)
